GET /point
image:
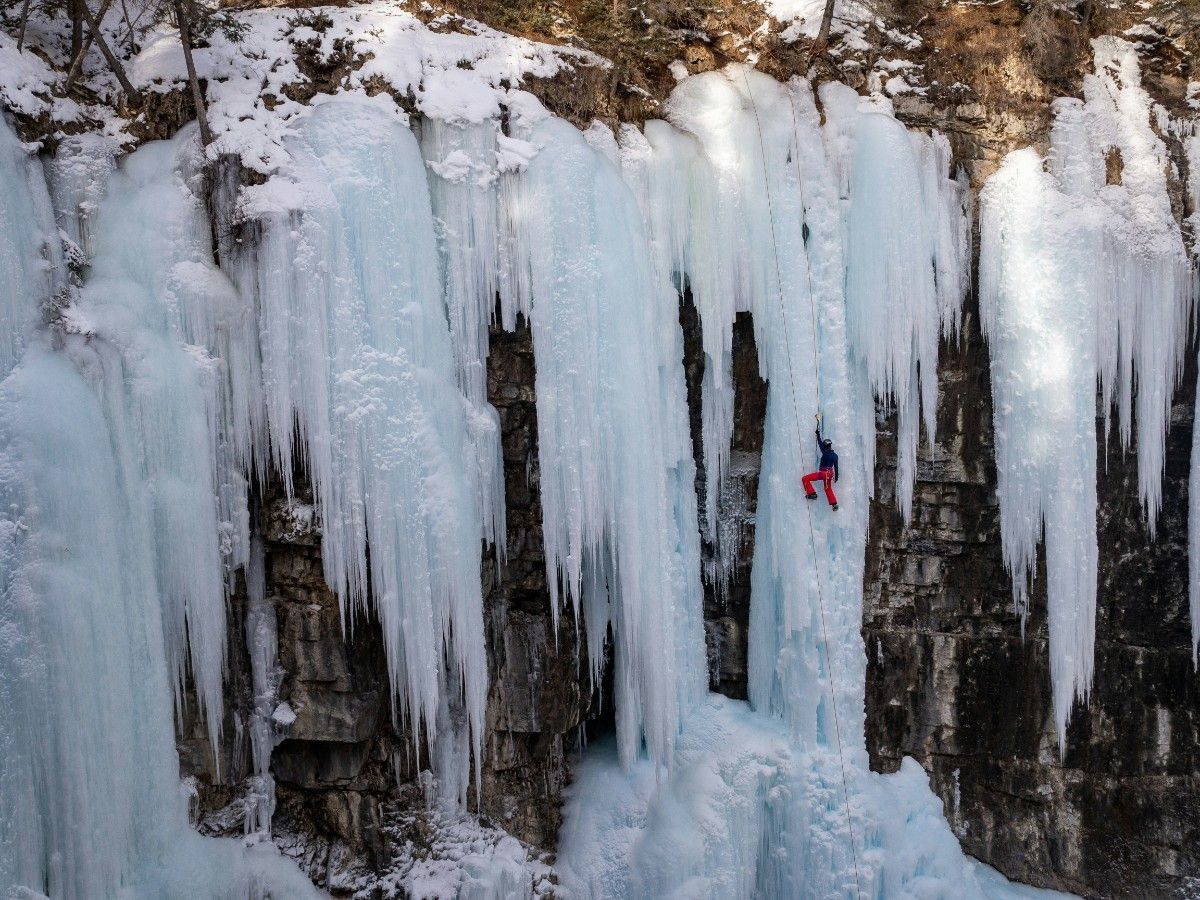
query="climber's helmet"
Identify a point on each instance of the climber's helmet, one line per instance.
(827, 444)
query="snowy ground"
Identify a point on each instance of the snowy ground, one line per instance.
(714, 827)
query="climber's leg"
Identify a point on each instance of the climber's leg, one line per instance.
(810, 489)
(827, 475)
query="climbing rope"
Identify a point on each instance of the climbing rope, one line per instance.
(837, 725)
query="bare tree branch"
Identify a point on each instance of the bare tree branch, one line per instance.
(822, 41)
(24, 19)
(182, 16)
(77, 62)
(113, 62)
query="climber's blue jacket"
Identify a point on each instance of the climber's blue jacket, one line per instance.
(829, 459)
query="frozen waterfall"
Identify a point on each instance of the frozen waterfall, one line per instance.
(745, 201)
(340, 345)
(359, 390)
(109, 551)
(1060, 325)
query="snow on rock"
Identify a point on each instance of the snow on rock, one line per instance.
(456, 76)
(26, 81)
(1084, 280)
(803, 18)
(441, 853)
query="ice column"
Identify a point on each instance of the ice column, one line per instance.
(680, 195)
(152, 303)
(88, 761)
(907, 259)
(90, 799)
(617, 475)
(359, 386)
(464, 167)
(1084, 281)
(30, 252)
(777, 225)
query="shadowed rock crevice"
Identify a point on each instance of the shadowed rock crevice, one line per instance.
(727, 604)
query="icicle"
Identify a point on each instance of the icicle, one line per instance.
(617, 477)
(1147, 298)
(1037, 281)
(907, 263)
(464, 168)
(360, 385)
(678, 191)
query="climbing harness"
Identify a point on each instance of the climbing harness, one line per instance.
(837, 726)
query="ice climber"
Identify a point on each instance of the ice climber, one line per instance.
(827, 469)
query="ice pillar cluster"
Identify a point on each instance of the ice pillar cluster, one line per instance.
(752, 204)
(111, 576)
(343, 340)
(1085, 288)
(358, 389)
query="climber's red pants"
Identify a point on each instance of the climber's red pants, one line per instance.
(825, 475)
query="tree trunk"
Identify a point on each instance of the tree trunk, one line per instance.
(822, 41)
(183, 16)
(24, 20)
(113, 62)
(75, 10)
(77, 62)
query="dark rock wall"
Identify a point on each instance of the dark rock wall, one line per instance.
(727, 599)
(953, 682)
(539, 677)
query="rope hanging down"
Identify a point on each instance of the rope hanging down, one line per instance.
(837, 726)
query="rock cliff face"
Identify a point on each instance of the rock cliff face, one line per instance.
(954, 678)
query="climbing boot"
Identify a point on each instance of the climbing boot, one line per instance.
(812, 496)
(834, 507)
